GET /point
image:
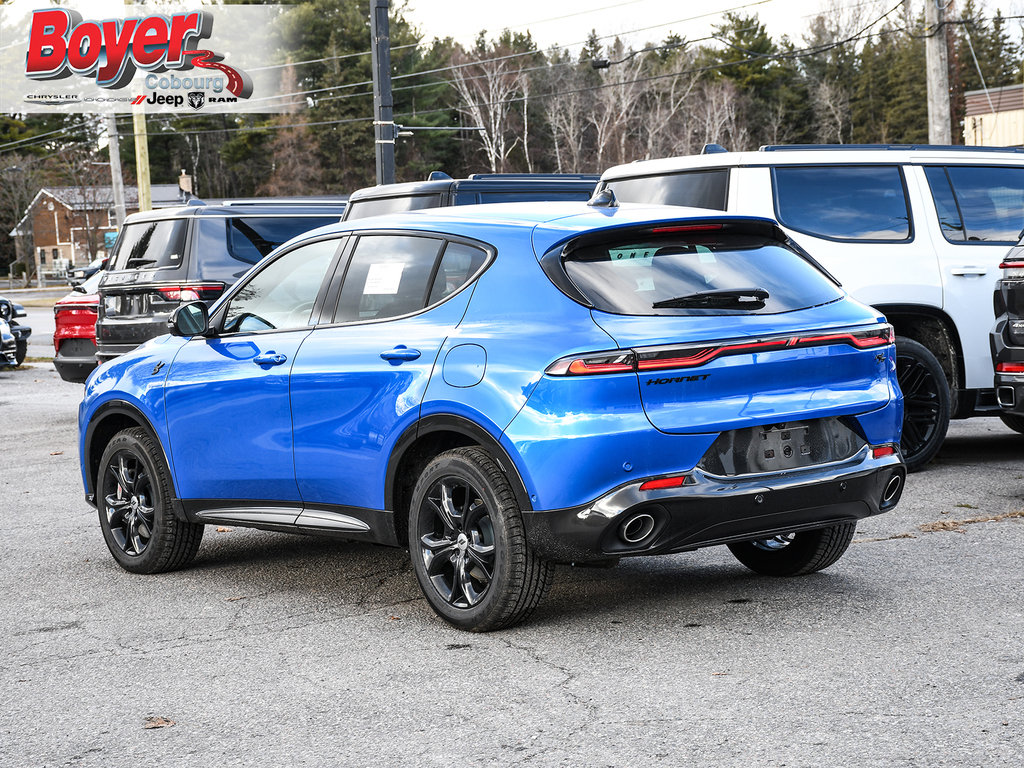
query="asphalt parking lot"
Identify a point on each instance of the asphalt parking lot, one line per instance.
(283, 650)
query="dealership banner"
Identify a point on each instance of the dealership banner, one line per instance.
(106, 56)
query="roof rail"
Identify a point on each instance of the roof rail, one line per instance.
(536, 176)
(323, 200)
(924, 147)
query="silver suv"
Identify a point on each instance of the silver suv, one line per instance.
(918, 232)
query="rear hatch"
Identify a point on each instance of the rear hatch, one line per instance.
(728, 326)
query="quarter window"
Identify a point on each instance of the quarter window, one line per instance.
(388, 276)
(864, 203)
(978, 204)
(283, 294)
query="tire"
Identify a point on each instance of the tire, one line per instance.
(468, 545)
(21, 351)
(795, 554)
(1013, 421)
(133, 498)
(926, 402)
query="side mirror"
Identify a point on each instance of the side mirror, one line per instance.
(192, 319)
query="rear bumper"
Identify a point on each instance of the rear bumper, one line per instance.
(1009, 386)
(712, 510)
(75, 359)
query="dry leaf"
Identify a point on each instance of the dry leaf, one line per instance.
(57, 453)
(222, 529)
(157, 722)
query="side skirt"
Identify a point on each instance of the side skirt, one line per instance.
(373, 525)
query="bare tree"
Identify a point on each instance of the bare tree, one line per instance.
(615, 105)
(489, 83)
(21, 178)
(566, 112)
(294, 169)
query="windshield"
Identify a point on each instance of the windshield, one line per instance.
(720, 273)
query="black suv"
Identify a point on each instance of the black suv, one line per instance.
(440, 190)
(1007, 338)
(172, 256)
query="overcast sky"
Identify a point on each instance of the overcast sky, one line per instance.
(568, 22)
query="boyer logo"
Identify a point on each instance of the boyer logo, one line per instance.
(61, 44)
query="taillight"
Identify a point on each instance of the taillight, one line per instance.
(692, 356)
(618, 361)
(880, 451)
(207, 292)
(1010, 368)
(876, 337)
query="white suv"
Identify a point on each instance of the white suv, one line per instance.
(917, 232)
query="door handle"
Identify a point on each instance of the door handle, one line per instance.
(969, 271)
(269, 358)
(399, 354)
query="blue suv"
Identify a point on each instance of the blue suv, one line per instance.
(505, 387)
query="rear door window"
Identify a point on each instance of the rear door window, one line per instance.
(699, 189)
(859, 203)
(388, 276)
(150, 245)
(978, 204)
(696, 275)
(227, 247)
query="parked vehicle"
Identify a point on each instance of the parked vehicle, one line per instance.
(1007, 339)
(9, 313)
(80, 274)
(916, 232)
(397, 381)
(440, 190)
(8, 346)
(172, 256)
(74, 335)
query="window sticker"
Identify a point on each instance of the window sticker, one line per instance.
(383, 279)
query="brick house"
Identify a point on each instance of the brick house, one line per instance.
(67, 224)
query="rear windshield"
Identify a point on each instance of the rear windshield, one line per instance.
(150, 245)
(227, 247)
(360, 209)
(697, 275)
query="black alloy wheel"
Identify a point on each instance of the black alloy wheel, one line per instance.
(129, 505)
(133, 498)
(458, 549)
(468, 545)
(926, 406)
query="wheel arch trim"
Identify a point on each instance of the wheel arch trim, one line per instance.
(443, 422)
(101, 414)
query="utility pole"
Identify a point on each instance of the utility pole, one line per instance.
(116, 179)
(141, 156)
(937, 68)
(384, 130)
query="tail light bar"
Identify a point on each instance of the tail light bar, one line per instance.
(1010, 368)
(694, 356)
(203, 292)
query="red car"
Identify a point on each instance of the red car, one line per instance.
(74, 339)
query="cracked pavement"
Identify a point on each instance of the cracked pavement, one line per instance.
(275, 649)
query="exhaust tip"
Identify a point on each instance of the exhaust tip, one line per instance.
(637, 528)
(1006, 396)
(892, 489)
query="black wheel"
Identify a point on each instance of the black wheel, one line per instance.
(133, 496)
(795, 554)
(468, 546)
(1013, 421)
(21, 351)
(925, 402)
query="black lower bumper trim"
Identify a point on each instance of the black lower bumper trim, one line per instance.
(714, 510)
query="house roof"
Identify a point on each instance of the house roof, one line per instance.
(1003, 99)
(102, 197)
